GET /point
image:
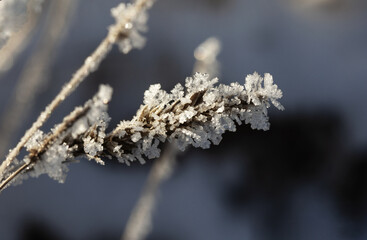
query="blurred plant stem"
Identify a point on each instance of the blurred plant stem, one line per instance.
(140, 221)
(35, 73)
(18, 41)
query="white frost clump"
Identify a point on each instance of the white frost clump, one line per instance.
(197, 116)
(95, 123)
(35, 141)
(81, 132)
(134, 22)
(256, 87)
(93, 142)
(52, 163)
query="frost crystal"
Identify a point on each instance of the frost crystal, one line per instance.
(255, 89)
(81, 132)
(197, 116)
(52, 163)
(133, 20)
(35, 141)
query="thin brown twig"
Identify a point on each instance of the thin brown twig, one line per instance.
(14, 174)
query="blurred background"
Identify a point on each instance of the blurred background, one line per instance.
(305, 178)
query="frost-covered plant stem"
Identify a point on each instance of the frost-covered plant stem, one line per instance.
(48, 153)
(118, 32)
(197, 116)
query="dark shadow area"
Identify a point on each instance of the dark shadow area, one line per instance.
(296, 149)
(299, 150)
(350, 192)
(33, 228)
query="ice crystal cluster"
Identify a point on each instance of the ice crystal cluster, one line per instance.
(134, 22)
(197, 114)
(81, 133)
(13, 14)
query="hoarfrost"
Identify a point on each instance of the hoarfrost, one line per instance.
(52, 163)
(86, 125)
(134, 23)
(35, 141)
(197, 115)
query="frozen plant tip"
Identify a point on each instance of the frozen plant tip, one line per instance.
(197, 114)
(129, 27)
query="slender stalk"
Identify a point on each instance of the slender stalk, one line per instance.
(140, 220)
(13, 175)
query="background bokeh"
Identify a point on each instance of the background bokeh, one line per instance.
(305, 178)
